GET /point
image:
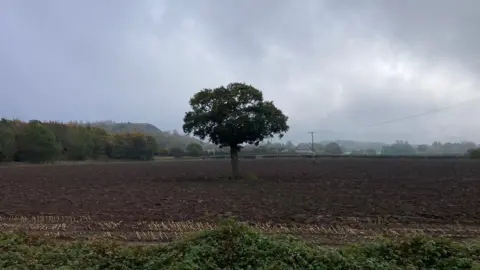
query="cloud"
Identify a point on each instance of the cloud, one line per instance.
(335, 67)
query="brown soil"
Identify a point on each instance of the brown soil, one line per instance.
(329, 191)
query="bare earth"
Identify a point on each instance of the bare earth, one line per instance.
(330, 201)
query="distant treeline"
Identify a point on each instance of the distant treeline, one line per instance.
(465, 156)
(166, 140)
(38, 142)
(354, 148)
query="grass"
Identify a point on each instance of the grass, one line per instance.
(236, 246)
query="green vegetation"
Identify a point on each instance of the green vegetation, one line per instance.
(195, 150)
(474, 153)
(357, 148)
(36, 143)
(235, 246)
(33, 142)
(232, 116)
(333, 149)
(166, 140)
(52, 141)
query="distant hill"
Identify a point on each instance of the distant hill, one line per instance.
(111, 126)
(165, 139)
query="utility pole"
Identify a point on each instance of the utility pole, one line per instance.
(313, 148)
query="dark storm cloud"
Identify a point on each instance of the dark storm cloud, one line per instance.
(333, 66)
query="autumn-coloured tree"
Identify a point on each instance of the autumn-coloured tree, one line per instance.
(50, 141)
(234, 115)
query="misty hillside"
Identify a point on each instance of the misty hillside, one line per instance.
(111, 126)
(165, 139)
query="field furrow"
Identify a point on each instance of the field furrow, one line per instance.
(330, 200)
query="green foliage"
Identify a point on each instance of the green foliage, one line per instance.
(78, 142)
(232, 115)
(177, 152)
(134, 146)
(141, 147)
(50, 141)
(162, 151)
(194, 150)
(7, 140)
(351, 145)
(236, 246)
(102, 142)
(36, 143)
(165, 139)
(422, 149)
(333, 149)
(474, 153)
(399, 148)
(359, 148)
(403, 148)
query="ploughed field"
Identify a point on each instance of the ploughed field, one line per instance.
(326, 199)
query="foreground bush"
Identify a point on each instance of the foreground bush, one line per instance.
(235, 247)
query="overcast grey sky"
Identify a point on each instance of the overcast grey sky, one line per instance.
(334, 66)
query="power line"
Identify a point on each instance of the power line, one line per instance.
(423, 113)
(410, 116)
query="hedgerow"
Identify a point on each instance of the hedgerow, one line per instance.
(235, 246)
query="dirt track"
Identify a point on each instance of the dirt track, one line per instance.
(330, 191)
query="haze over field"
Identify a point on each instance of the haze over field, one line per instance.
(334, 67)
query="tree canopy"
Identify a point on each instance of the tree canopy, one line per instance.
(333, 149)
(234, 115)
(166, 140)
(194, 149)
(37, 141)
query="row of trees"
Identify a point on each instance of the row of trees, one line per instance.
(79, 141)
(166, 140)
(37, 141)
(401, 148)
(436, 148)
(192, 150)
(332, 148)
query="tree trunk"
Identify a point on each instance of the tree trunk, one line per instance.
(234, 162)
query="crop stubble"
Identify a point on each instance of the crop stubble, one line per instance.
(329, 199)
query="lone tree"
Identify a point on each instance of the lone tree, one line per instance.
(234, 115)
